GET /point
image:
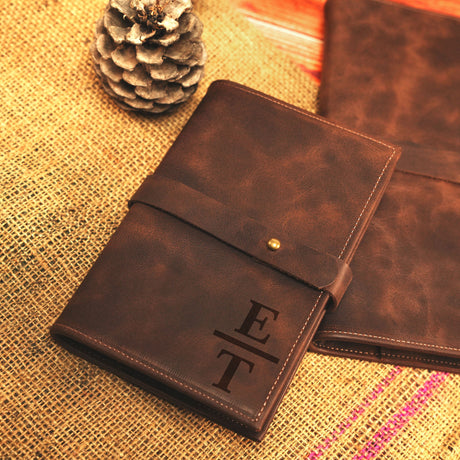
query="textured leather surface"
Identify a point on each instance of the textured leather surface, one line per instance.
(183, 313)
(393, 72)
(402, 84)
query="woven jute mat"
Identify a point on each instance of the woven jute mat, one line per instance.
(70, 160)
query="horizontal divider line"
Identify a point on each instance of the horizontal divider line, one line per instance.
(250, 348)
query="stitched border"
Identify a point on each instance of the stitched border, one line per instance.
(419, 358)
(306, 115)
(301, 111)
(329, 331)
(287, 359)
(330, 347)
(144, 364)
(367, 202)
(194, 390)
(386, 355)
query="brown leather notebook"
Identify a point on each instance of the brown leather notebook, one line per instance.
(212, 287)
(393, 72)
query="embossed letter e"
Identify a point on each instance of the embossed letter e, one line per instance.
(245, 329)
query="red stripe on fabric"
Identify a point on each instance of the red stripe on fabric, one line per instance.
(355, 414)
(392, 427)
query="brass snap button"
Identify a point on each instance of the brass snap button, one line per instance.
(273, 244)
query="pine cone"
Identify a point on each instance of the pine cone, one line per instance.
(149, 53)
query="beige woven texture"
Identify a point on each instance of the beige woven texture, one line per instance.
(69, 161)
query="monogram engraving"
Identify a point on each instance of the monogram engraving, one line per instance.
(253, 324)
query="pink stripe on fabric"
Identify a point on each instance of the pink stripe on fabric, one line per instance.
(403, 417)
(359, 410)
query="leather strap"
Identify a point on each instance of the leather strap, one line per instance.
(435, 163)
(319, 270)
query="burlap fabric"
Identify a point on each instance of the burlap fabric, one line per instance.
(70, 159)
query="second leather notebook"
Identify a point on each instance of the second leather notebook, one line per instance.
(401, 84)
(211, 289)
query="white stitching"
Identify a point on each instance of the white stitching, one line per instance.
(367, 202)
(288, 356)
(419, 358)
(388, 338)
(304, 113)
(330, 347)
(155, 370)
(148, 366)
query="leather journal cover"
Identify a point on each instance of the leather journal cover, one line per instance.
(210, 291)
(400, 83)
